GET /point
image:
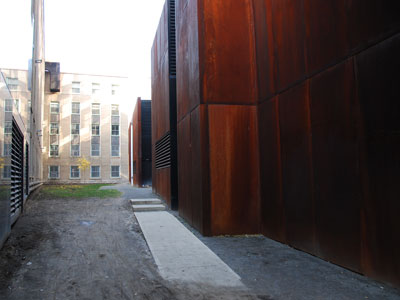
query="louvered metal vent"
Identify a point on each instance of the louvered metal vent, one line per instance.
(17, 163)
(26, 169)
(163, 152)
(172, 38)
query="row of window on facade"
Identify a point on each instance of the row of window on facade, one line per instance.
(76, 108)
(75, 172)
(76, 126)
(13, 84)
(96, 88)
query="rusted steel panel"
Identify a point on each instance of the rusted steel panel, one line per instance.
(234, 180)
(289, 35)
(229, 47)
(335, 159)
(294, 121)
(371, 20)
(163, 188)
(188, 80)
(200, 169)
(272, 207)
(264, 48)
(161, 179)
(130, 151)
(326, 32)
(185, 170)
(378, 78)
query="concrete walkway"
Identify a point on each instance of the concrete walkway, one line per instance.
(181, 256)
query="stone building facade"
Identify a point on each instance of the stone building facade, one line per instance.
(85, 121)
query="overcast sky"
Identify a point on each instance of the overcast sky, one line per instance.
(86, 36)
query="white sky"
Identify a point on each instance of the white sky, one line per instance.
(107, 37)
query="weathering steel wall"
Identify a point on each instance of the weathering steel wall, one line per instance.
(217, 116)
(161, 178)
(288, 121)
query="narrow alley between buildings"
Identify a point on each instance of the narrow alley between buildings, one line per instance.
(94, 248)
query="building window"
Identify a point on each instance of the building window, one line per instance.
(95, 88)
(54, 172)
(7, 127)
(76, 87)
(96, 129)
(75, 129)
(12, 83)
(8, 105)
(75, 172)
(95, 149)
(7, 149)
(16, 101)
(6, 172)
(76, 108)
(114, 129)
(54, 107)
(53, 150)
(95, 109)
(115, 150)
(114, 109)
(95, 171)
(115, 171)
(75, 150)
(54, 128)
(114, 89)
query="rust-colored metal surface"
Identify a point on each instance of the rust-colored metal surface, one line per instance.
(234, 180)
(294, 122)
(370, 21)
(193, 169)
(137, 144)
(130, 152)
(266, 65)
(331, 138)
(229, 52)
(161, 178)
(217, 187)
(288, 124)
(185, 170)
(378, 80)
(272, 206)
(187, 59)
(327, 41)
(335, 160)
(289, 41)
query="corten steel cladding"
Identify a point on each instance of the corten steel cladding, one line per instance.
(164, 112)
(217, 116)
(288, 112)
(328, 123)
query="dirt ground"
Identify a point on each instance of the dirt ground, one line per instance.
(94, 249)
(86, 249)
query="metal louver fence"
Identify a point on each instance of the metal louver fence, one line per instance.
(163, 152)
(17, 163)
(172, 38)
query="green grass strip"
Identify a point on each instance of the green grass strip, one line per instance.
(78, 191)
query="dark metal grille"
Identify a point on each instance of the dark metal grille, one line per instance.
(172, 38)
(17, 163)
(163, 152)
(27, 169)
